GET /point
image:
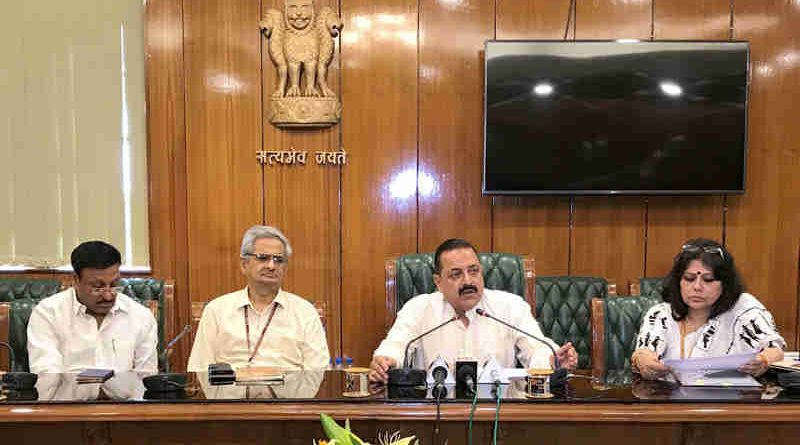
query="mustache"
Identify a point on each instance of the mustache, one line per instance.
(466, 288)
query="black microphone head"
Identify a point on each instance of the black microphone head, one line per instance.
(480, 311)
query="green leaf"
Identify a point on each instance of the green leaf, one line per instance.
(334, 431)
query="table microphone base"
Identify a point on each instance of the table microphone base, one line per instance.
(19, 381)
(165, 382)
(407, 377)
(559, 377)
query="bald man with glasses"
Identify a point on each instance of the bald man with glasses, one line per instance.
(262, 324)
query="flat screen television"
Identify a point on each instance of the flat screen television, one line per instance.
(610, 117)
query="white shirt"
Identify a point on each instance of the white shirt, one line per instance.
(746, 327)
(294, 340)
(483, 338)
(63, 337)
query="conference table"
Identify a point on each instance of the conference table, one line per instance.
(617, 409)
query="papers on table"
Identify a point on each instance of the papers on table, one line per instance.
(713, 371)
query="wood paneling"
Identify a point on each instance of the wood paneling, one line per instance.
(222, 52)
(451, 38)
(608, 238)
(532, 19)
(167, 156)
(762, 225)
(303, 201)
(672, 220)
(692, 19)
(379, 200)
(613, 19)
(535, 226)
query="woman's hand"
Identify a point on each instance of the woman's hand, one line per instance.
(646, 362)
(760, 364)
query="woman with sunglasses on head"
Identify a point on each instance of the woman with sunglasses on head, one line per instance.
(705, 313)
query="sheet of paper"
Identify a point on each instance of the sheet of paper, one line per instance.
(727, 378)
(723, 363)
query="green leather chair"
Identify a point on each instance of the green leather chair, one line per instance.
(27, 288)
(410, 275)
(648, 285)
(615, 325)
(564, 313)
(157, 295)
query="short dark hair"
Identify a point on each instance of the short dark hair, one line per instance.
(714, 256)
(94, 255)
(446, 246)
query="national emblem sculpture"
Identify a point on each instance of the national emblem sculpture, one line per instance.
(301, 46)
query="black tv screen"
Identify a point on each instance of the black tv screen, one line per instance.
(598, 117)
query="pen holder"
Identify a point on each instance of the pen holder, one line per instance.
(537, 384)
(356, 382)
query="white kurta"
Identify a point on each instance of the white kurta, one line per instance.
(62, 337)
(483, 338)
(294, 340)
(746, 327)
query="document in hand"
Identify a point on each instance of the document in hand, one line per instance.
(713, 371)
(259, 374)
(94, 375)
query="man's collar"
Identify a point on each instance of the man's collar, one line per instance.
(243, 299)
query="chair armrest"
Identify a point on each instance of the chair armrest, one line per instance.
(598, 338)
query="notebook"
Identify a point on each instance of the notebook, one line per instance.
(94, 375)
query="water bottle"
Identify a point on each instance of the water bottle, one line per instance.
(337, 364)
(348, 362)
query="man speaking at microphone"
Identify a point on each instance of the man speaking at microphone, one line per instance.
(458, 276)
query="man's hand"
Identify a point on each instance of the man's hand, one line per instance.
(379, 368)
(567, 356)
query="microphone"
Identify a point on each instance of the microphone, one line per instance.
(559, 376)
(413, 377)
(14, 380)
(167, 381)
(465, 378)
(439, 371)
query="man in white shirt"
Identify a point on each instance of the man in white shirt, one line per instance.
(92, 325)
(459, 277)
(262, 324)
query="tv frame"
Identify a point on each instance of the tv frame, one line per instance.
(748, 80)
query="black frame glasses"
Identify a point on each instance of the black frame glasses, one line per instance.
(706, 249)
(267, 257)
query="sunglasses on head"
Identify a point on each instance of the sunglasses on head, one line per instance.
(707, 249)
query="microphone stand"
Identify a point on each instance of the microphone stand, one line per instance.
(167, 381)
(14, 380)
(559, 376)
(406, 376)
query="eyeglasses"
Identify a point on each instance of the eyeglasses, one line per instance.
(267, 257)
(103, 290)
(707, 249)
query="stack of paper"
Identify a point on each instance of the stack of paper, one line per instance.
(94, 375)
(713, 371)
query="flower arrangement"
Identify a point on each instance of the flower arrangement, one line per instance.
(338, 435)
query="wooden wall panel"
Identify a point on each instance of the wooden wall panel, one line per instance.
(613, 19)
(534, 226)
(674, 219)
(167, 155)
(450, 123)
(379, 201)
(608, 238)
(608, 233)
(762, 226)
(303, 201)
(223, 108)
